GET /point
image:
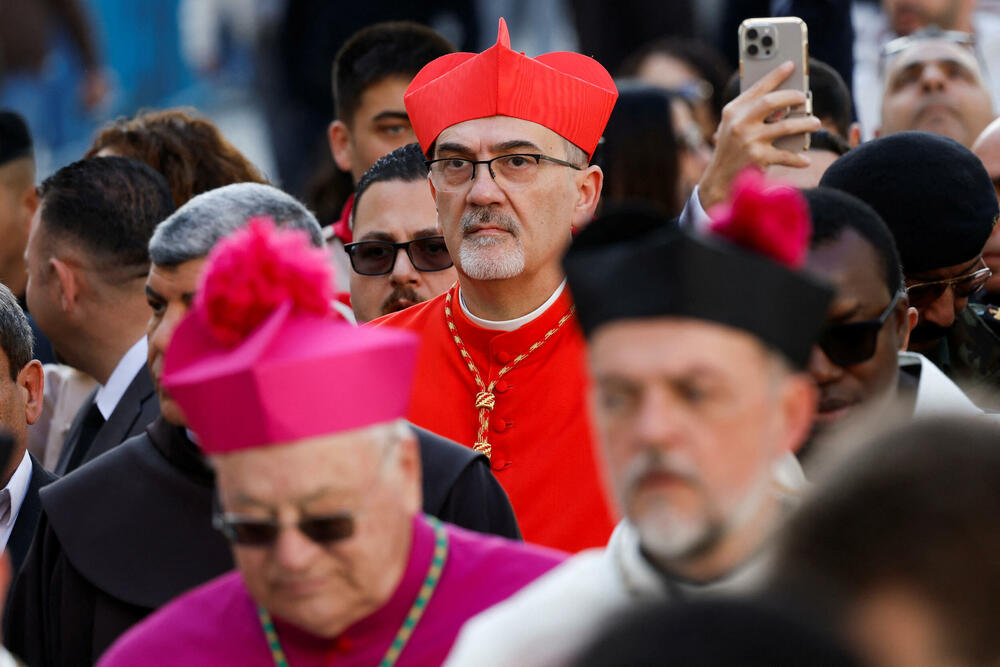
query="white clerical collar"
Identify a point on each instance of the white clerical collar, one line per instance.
(112, 391)
(517, 323)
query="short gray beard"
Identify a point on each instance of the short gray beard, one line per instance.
(490, 258)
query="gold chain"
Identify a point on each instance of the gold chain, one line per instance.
(486, 399)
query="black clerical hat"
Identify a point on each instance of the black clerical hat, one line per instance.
(616, 273)
(15, 139)
(933, 193)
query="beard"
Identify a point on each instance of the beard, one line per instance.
(927, 332)
(490, 257)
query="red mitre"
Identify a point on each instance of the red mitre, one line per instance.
(262, 359)
(568, 93)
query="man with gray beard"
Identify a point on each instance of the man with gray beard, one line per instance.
(700, 403)
(502, 354)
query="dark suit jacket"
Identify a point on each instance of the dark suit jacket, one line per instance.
(137, 408)
(127, 533)
(27, 517)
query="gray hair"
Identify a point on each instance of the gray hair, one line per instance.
(194, 229)
(16, 337)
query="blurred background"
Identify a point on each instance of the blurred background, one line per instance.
(260, 69)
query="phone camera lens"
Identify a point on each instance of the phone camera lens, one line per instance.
(752, 49)
(767, 41)
(752, 33)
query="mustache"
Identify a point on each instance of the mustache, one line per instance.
(398, 294)
(928, 331)
(485, 215)
(655, 462)
(935, 100)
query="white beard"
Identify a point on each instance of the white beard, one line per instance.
(491, 258)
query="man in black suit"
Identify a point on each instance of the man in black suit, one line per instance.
(87, 263)
(21, 383)
(87, 581)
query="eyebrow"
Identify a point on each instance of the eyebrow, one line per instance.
(186, 297)
(499, 148)
(393, 115)
(378, 236)
(243, 499)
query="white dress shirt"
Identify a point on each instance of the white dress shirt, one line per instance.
(17, 489)
(128, 367)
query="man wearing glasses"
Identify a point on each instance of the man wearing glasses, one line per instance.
(938, 201)
(509, 140)
(319, 482)
(858, 364)
(399, 257)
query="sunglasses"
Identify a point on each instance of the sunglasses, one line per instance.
(377, 258)
(323, 530)
(855, 342)
(923, 294)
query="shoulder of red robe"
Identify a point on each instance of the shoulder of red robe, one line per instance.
(569, 93)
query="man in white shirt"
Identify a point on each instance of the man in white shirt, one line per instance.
(87, 262)
(21, 382)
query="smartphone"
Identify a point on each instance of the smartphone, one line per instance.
(765, 44)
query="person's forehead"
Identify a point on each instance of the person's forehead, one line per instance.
(849, 263)
(395, 206)
(287, 471)
(383, 95)
(987, 149)
(658, 346)
(925, 52)
(487, 135)
(184, 276)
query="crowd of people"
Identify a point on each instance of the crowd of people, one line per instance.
(588, 371)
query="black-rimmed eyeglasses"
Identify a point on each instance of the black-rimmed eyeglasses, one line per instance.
(451, 174)
(377, 258)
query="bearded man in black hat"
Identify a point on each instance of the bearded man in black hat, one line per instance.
(700, 399)
(939, 203)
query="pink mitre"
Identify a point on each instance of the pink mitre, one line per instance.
(262, 358)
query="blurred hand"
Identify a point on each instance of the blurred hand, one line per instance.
(743, 138)
(94, 89)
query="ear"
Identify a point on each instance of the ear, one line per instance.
(409, 463)
(854, 134)
(589, 183)
(906, 324)
(69, 283)
(434, 194)
(339, 136)
(31, 380)
(798, 409)
(30, 204)
(878, 132)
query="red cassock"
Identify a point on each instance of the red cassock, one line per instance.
(543, 448)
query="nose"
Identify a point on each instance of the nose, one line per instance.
(403, 271)
(932, 78)
(293, 551)
(484, 190)
(657, 420)
(823, 370)
(942, 310)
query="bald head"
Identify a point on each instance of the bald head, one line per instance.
(987, 149)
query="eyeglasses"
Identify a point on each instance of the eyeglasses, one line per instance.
(923, 294)
(377, 258)
(323, 530)
(453, 174)
(855, 342)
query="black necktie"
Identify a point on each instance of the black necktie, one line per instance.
(92, 423)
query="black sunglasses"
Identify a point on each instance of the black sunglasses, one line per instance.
(322, 530)
(377, 258)
(923, 294)
(855, 342)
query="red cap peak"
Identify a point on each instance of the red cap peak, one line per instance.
(568, 93)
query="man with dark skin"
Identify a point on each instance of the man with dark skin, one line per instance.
(858, 365)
